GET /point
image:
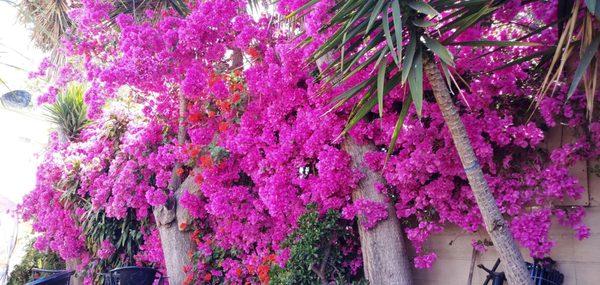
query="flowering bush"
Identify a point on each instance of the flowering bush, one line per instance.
(261, 145)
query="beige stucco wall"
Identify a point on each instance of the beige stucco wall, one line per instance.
(579, 261)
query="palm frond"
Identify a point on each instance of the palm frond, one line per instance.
(579, 41)
(366, 33)
(69, 112)
(137, 7)
(50, 21)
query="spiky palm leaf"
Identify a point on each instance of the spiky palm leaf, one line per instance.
(579, 40)
(50, 21)
(368, 32)
(69, 112)
(136, 7)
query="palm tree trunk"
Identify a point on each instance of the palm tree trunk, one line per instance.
(496, 226)
(176, 243)
(73, 264)
(383, 248)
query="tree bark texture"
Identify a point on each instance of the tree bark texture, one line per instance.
(176, 244)
(383, 247)
(77, 278)
(496, 226)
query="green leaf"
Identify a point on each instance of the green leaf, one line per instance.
(399, 123)
(374, 15)
(410, 54)
(525, 58)
(422, 23)
(585, 61)
(380, 86)
(388, 37)
(342, 98)
(422, 8)
(439, 50)
(594, 7)
(415, 82)
(447, 75)
(362, 110)
(397, 17)
(304, 7)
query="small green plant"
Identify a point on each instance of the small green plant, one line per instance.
(316, 251)
(33, 258)
(69, 112)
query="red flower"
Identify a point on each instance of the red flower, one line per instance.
(223, 126)
(206, 161)
(253, 52)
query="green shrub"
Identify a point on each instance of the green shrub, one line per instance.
(316, 251)
(33, 258)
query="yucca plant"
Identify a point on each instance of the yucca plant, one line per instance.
(367, 33)
(69, 112)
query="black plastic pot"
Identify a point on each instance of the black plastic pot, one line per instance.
(542, 275)
(132, 275)
(55, 277)
(541, 272)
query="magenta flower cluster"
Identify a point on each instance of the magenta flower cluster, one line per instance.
(261, 145)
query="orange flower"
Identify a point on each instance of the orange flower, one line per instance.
(194, 151)
(198, 178)
(250, 269)
(263, 274)
(183, 226)
(179, 171)
(189, 279)
(213, 78)
(225, 106)
(253, 52)
(235, 98)
(223, 126)
(194, 117)
(206, 161)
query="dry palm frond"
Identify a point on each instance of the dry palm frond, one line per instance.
(69, 112)
(50, 21)
(578, 42)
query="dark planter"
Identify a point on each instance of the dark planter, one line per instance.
(132, 275)
(55, 277)
(542, 272)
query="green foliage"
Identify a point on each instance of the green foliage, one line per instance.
(365, 32)
(125, 234)
(316, 251)
(69, 112)
(33, 258)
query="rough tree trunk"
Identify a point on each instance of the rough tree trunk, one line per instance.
(77, 278)
(496, 226)
(173, 221)
(176, 243)
(383, 249)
